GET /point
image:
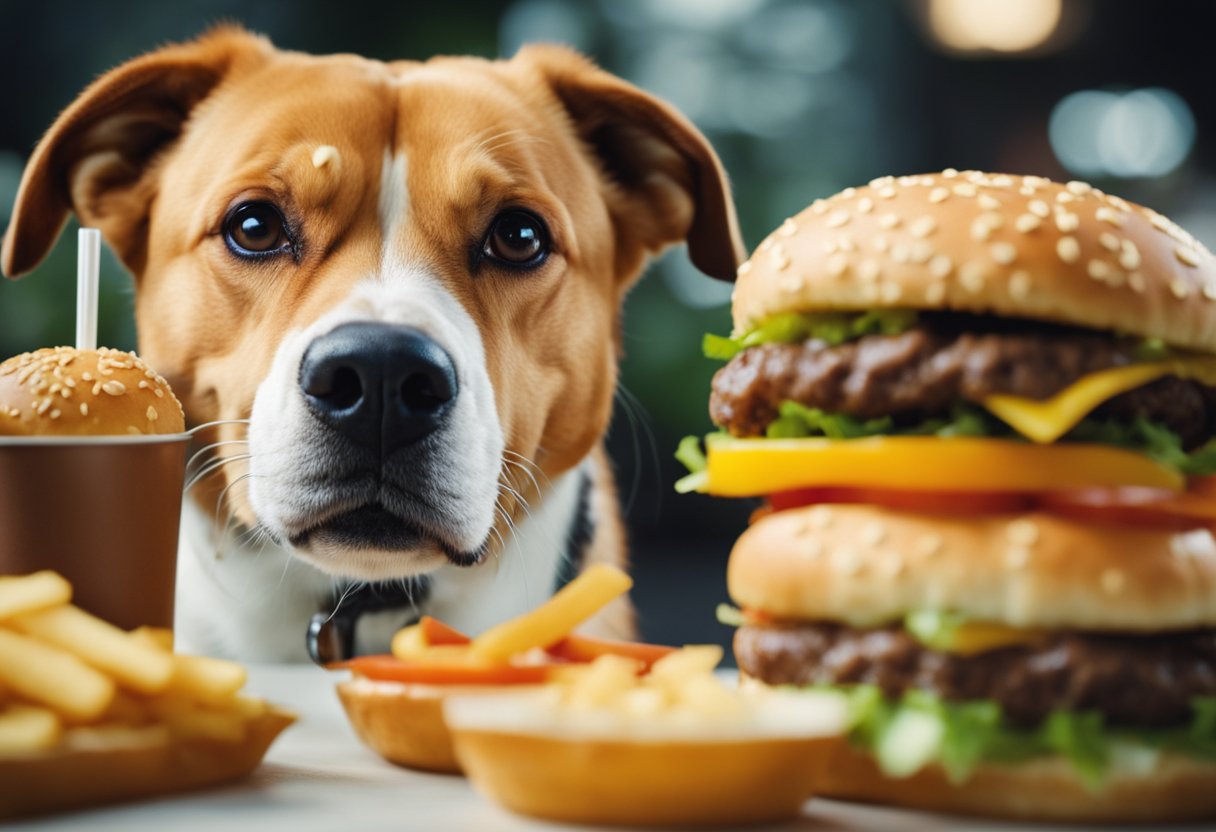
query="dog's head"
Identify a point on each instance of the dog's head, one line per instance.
(404, 273)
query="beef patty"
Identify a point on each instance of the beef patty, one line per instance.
(1133, 680)
(922, 372)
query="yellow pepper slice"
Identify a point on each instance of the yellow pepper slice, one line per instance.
(755, 467)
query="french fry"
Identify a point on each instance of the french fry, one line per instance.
(605, 682)
(132, 662)
(186, 719)
(409, 643)
(127, 709)
(556, 618)
(30, 593)
(206, 679)
(48, 675)
(161, 637)
(24, 728)
(693, 660)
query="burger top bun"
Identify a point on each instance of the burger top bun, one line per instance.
(866, 565)
(1016, 246)
(61, 391)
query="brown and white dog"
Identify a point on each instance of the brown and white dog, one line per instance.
(406, 278)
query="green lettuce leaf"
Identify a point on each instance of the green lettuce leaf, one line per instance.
(834, 328)
(795, 421)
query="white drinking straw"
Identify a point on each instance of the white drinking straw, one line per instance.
(88, 268)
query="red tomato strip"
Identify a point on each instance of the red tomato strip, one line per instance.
(390, 669)
(576, 648)
(436, 632)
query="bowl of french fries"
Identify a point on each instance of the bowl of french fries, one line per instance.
(676, 746)
(91, 713)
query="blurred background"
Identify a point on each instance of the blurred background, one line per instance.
(801, 97)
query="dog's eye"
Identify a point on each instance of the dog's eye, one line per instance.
(517, 238)
(254, 228)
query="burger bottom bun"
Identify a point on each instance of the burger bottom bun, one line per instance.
(139, 763)
(645, 784)
(402, 723)
(1178, 789)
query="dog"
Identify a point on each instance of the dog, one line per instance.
(397, 289)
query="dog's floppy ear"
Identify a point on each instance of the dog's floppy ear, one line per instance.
(99, 157)
(665, 183)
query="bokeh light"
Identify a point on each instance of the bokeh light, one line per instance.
(1139, 133)
(997, 25)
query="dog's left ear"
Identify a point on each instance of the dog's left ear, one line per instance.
(100, 156)
(664, 181)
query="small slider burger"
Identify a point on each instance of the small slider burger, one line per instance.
(981, 408)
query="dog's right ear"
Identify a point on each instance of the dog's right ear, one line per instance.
(99, 157)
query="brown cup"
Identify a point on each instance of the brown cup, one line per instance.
(103, 511)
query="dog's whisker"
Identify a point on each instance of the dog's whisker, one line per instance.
(637, 416)
(194, 457)
(212, 467)
(220, 501)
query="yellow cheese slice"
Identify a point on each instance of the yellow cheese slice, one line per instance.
(976, 637)
(1046, 421)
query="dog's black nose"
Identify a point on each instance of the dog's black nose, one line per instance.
(382, 386)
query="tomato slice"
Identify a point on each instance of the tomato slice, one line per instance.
(386, 668)
(944, 502)
(755, 467)
(435, 632)
(576, 648)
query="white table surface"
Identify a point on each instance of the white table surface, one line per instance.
(317, 776)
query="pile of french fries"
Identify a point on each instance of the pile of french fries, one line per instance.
(69, 679)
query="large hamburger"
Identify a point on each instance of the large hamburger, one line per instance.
(981, 409)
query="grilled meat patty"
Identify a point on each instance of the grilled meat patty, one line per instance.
(1134, 680)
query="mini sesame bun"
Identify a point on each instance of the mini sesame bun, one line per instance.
(402, 723)
(63, 391)
(866, 565)
(1177, 788)
(1016, 246)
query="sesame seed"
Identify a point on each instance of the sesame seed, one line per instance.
(134, 431)
(1180, 288)
(1109, 216)
(907, 181)
(849, 193)
(980, 230)
(865, 205)
(1027, 191)
(923, 226)
(949, 173)
(86, 376)
(881, 181)
(1016, 558)
(1108, 241)
(819, 517)
(929, 545)
(114, 388)
(84, 409)
(922, 250)
(941, 266)
(1186, 256)
(788, 228)
(837, 219)
(1004, 253)
(1064, 197)
(1130, 258)
(765, 244)
(888, 221)
(1001, 181)
(868, 270)
(1019, 284)
(1099, 270)
(887, 192)
(829, 246)
(901, 253)
(845, 242)
(1113, 581)
(1027, 223)
(143, 384)
(935, 292)
(151, 413)
(819, 206)
(789, 283)
(837, 265)
(874, 533)
(965, 189)
(890, 292)
(1078, 187)
(939, 195)
(927, 181)
(744, 268)
(1066, 221)
(847, 561)
(989, 202)
(1068, 249)
(972, 275)
(43, 407)
(881, 244)
(781, 260)
(1039, 208)
(1136, 281)
(56, 413)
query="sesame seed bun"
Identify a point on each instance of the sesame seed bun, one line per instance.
(1176, 788)
(61, 391)
(1017, 246)
(866, 565)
